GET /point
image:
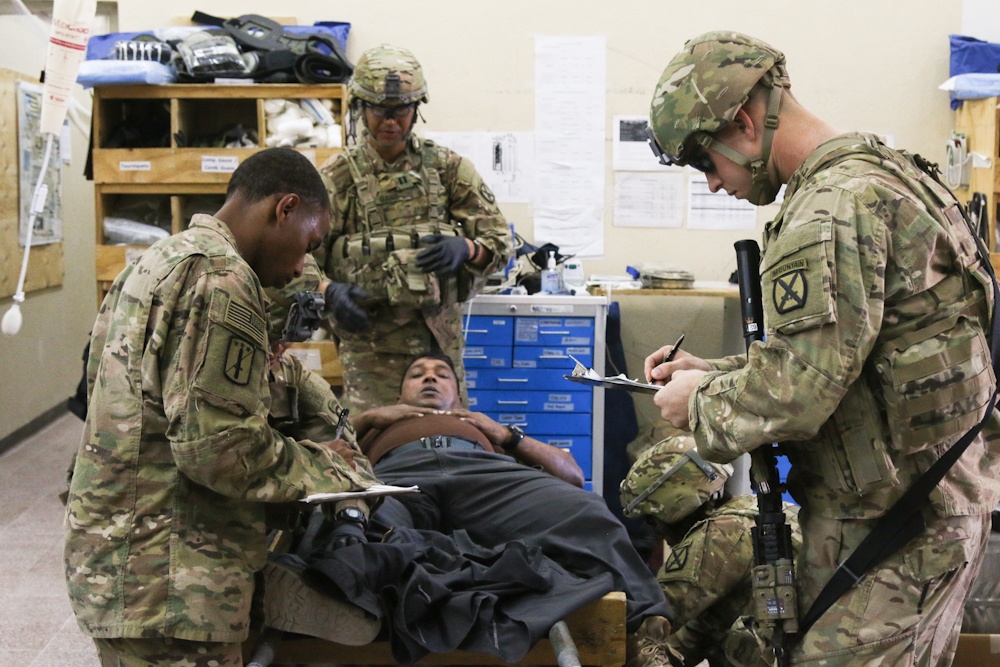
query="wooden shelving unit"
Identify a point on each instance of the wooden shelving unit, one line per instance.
(174, 180)
(166, 184)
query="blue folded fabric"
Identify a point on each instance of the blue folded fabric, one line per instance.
(107, 72)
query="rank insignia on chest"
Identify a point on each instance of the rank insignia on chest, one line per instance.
(789, 287)
(239, 360)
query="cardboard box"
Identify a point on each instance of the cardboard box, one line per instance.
(977, 651)
(321, 357)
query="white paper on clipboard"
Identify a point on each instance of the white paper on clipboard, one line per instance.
(371, 492)
(589, 376)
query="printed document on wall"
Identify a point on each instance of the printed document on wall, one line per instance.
(505, 160)
(717, 210)
(649, 199)
(570, 84)
(630, 145)
(31, 153)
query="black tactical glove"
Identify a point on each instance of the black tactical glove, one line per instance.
(342, 303)
(345, 533)
(443, 255)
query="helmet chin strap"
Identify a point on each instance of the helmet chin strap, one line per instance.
(762, 190)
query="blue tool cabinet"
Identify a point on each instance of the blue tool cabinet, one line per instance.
(517, 350)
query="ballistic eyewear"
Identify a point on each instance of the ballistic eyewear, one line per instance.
(382, 112)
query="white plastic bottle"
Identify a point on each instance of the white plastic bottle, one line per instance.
(550, 276)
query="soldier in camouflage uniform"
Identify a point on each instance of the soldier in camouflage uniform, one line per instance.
(414, 231)
(878, 312)
(707, 574)
(165, 517)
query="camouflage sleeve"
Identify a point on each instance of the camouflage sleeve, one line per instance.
(471, 202)
(822, 278)
(731, 363)
(343, 206)
(215, 396)
(712, 563)
(316, 415)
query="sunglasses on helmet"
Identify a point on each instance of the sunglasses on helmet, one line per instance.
(695, 156)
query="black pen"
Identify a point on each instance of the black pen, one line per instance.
(341, 424)
(673, 352)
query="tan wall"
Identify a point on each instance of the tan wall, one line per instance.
(40, 367)
(861, 64)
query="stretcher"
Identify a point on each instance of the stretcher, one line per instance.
(304, 627)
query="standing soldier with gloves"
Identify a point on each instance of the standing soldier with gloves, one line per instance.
(879, 306)
(415, 230)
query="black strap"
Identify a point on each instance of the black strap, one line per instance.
(904, 520)
(201, 18)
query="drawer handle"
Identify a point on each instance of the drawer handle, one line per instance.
(554, 333)
(468, 331)
(471, 356)
(553, 356)
(512, 379)
(512, 402)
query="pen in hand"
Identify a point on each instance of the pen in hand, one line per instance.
(342, 423)
(673, 352)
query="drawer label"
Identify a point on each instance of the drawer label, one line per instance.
(135, 165)
(561, 398)
(574, 340)
(219, 164)
(557, 407)
(551, 308)
(524, 363)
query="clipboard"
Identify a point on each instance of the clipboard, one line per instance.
(615, 383)
(589, 376)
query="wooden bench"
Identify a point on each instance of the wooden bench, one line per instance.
(598, 631)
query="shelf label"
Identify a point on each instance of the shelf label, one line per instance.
(135, 165)
(219, 164)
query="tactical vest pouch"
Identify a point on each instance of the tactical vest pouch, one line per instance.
(406, 285)
(854, 454)
(926, 406)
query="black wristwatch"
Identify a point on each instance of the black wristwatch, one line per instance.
(352, 514)
(513, 440)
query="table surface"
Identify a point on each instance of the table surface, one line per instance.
(698, 288)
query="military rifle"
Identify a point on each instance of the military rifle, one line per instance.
(304, 316)
(775, 605)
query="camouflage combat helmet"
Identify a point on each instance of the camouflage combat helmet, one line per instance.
(700, 92)
(388, 76)
(670, 480)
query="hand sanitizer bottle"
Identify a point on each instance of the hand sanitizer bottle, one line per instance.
(550, 276)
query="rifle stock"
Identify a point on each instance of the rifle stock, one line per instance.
(775, 605)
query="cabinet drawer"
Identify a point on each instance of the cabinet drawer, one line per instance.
(487, 356)
(545, 422)
(536, 356)
(567, 331)
(531, 401)
(486, 330)
(517, 379)
(581, 447)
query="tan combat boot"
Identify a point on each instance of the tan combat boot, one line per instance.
(647, 646)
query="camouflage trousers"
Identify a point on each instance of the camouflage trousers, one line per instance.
(167, 652)
(905, 613)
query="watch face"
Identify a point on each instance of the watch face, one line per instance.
(351, 514)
